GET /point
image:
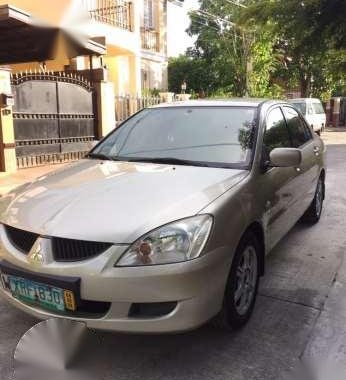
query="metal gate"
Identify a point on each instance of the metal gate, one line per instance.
(54, 118)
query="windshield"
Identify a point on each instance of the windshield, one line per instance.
(300, 107)
(217, 136)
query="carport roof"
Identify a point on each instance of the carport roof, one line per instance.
(23, 39)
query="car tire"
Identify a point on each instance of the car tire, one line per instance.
(313, 213)
(244, 274)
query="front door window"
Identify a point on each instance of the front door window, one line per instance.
(276, 134)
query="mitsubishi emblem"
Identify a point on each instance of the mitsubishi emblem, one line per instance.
(36, 255)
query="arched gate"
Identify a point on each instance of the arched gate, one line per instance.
(54, 117)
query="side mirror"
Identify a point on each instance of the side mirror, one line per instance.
(285, 157)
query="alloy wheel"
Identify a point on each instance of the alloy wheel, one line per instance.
(319, 198)
(246, 278)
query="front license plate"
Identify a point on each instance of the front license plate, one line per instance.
(36, 293)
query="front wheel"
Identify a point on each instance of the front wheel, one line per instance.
(313, 213)
(242, 285)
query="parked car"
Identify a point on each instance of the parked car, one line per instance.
(313, 111)
(165, 224)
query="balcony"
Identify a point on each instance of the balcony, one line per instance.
(117, 13)
(150, 39)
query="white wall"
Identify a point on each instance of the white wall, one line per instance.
(156, 74)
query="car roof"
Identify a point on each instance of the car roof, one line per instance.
(241, 102)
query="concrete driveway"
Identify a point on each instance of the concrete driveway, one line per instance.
(298, 323)
(11, 181)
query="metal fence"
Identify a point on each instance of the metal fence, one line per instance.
(113, 12)
(127, 105)
(150, 39)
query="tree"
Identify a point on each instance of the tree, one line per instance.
(264, 64)
(264, 47)
(307, 38)
(194, 71)
(331, 22)
(223, 45)
(233, 59)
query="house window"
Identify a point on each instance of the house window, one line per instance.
(149, 16)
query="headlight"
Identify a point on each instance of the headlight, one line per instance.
(175, 242)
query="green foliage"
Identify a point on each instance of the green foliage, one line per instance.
(225, 52)
(306, 36)
(222, 46)
(193, 70)
(265, 48)
(152, 93)
(329, 74)
(264, 64)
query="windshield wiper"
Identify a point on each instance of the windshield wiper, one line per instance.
(167, 160)
(101, 156)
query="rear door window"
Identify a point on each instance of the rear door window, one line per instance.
(297, 129)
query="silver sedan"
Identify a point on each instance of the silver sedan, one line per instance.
(165, 224)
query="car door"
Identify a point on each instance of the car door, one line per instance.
(278, 184)
(302, 138)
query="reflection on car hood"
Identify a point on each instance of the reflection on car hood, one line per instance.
(113, 201)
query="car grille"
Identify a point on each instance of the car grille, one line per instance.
(22, 240)
(76, 250)
(64, 250)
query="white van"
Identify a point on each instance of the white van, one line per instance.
(313, 112)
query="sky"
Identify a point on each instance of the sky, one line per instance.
(177, 22)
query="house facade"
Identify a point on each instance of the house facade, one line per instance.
(134, 33)
(71, 69)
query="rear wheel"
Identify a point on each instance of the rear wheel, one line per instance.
(242, 285)
(313, 213)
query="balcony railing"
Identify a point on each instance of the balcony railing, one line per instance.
(113, 12)
(150, 39)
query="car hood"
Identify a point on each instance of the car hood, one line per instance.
(111, 201)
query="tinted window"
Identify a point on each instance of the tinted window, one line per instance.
(298, 131)
(318, 108)
(203, 134)
(300, 107)
(276, 134)
(308, 131)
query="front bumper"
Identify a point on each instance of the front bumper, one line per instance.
(196, 288)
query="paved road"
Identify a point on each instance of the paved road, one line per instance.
(299, 317)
